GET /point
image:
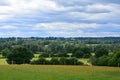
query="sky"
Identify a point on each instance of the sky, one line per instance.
(59, 18)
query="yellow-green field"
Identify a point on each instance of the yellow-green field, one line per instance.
(53, 72)
(56, 72)
(3, 61)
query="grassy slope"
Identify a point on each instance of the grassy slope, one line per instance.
(2, 60)
(42, 72)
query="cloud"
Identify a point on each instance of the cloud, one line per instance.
(99, 8)
(8, 27)
(59, 17)
(27, 7)
(99, 12)
(64, 26)
(77, 29)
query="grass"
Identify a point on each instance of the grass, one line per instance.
(85, 61)
(36, 57)
(2, 60)
(54, 72)
(57, 72)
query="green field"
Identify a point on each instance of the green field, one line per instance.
(56, 72)
(52, 72)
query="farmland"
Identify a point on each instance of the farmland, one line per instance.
(61, 49)
(54, 72)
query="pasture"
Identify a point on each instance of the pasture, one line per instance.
(58, 72)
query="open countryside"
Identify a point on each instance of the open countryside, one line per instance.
(60, 67)
(59, 39)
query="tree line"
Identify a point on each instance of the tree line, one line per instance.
(94, 49)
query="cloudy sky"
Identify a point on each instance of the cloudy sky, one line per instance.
(59, 18)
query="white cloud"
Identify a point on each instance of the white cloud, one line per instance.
(97, 11)
(77, 29)
(8, 27)
(99, 8)
(22, 7)
(65, 26)
(59, 19)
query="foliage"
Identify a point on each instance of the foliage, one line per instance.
(56, 61)
(19, 55)
(107, 60)
(115, 59)
(55, 45)
(44, 55)
(5, 52)
(40, 61)
(101, 52)
(79, 52)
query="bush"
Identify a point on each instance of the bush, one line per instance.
(40, 61)
(62, 60)
(44, 55)
(72, 61)
(54, 61)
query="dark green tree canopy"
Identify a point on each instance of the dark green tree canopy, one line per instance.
(5, 52)
(20, 55)
(101, 51)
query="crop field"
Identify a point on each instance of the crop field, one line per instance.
(58, 72)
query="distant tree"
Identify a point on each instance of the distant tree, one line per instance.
(69, 48)
(81, 52)
(54, 61)
(93, 60)
(86, 51)
(101, 51)
(63, 60)
(62, 55)
(72, 61)
(44, 55)
(5, 52)
(78, 53)
(20, 55)
(56, 47)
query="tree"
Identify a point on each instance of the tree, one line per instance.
(72, 61)
(115, 59)
(44, 54)
(103, 61)
(54, 61)
(63, 60)
(20, 55)
(5, 52)
(101, 51)
(86, 51)
(78, 53)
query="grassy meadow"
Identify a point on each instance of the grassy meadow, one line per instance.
(57, 72)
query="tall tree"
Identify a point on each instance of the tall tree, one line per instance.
(20, 55)
(5, 52)
(101, 51)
